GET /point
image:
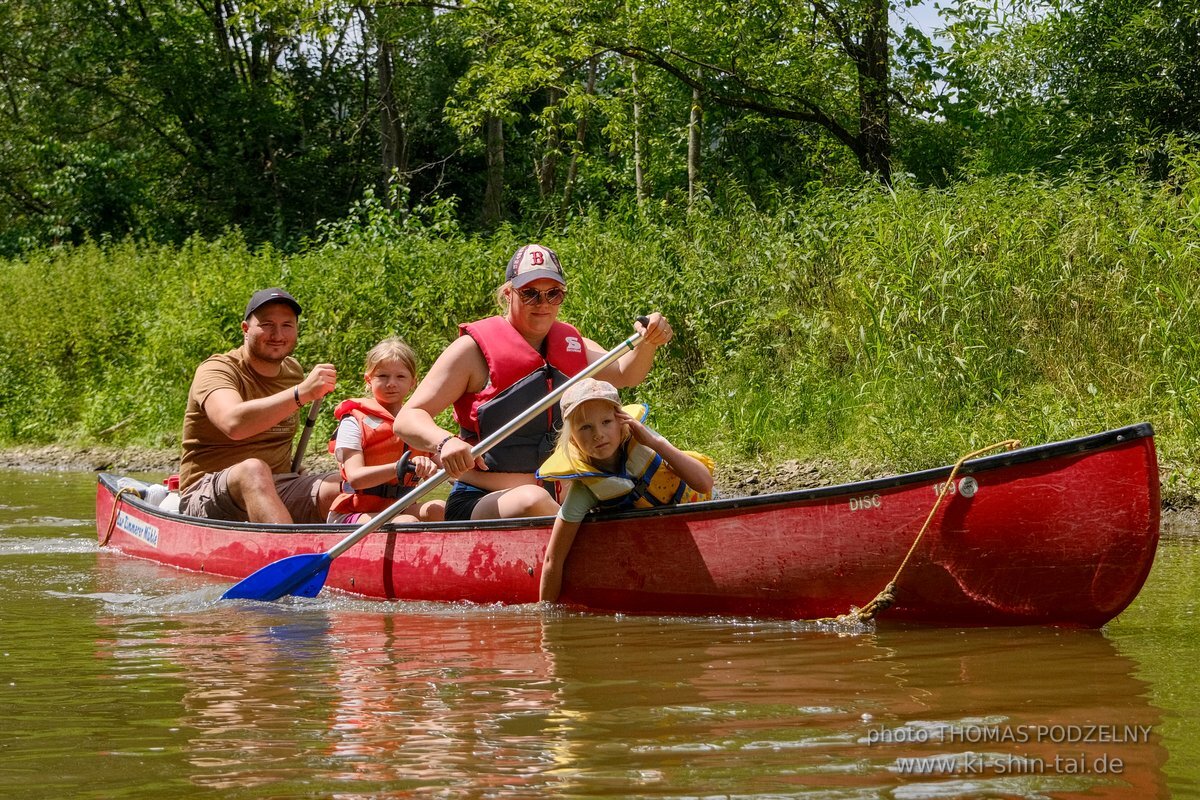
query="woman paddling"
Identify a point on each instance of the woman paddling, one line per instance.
(497, 368)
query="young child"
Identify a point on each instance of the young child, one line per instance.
(610, 459)
(367, 450)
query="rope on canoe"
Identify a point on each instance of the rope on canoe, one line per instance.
(112, 520)
(887, 596)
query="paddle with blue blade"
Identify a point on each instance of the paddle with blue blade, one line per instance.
(304, 575)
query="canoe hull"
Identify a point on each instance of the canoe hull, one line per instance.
(1061, 534)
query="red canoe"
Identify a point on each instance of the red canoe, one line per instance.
(1058, 534)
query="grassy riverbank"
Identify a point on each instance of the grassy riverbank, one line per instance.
(898, 330)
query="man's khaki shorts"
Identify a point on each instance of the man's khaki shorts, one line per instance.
(209, 497)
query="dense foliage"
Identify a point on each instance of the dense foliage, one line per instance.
(1066, 85)
(903, 328)
(164, 119)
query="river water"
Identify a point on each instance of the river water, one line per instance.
(124, 679)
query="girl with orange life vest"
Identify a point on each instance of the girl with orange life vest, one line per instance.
(496, 369)
(609, 459)
(368, 450)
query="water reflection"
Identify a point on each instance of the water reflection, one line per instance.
(438, 699)
(371, 700)
(805, 709)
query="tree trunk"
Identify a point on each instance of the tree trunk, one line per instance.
(639, 186)
(693, 156)
(390, 134)
(874, 114)
(548, 168)
(493, 194)
(580, 139)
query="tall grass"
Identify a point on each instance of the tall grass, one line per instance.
(902, 328)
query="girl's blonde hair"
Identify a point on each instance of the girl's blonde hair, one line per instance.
(562, 444)
(392, 348)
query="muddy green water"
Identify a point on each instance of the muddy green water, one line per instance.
(123, 679)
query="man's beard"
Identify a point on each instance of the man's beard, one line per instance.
(264, 353)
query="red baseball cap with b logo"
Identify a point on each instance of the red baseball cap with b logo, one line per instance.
(531, 262)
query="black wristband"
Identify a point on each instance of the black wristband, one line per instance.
(438, 450)
(296, 395)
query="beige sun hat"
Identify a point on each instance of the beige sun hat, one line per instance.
(589, 389)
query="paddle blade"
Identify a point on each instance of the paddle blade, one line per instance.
(301, 575)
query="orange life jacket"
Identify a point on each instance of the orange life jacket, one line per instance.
(380, 446)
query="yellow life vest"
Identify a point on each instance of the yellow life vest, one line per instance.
(645, 480)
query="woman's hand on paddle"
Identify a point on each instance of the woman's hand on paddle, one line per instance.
(456, 458)
(656, 332)
(633, 367)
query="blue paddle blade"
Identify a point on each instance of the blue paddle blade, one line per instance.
(301, 575)
(312, 587)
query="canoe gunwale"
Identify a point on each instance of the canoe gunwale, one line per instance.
(1024, 455)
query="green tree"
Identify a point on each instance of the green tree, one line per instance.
(1129, 71)
(820, 66)
(167, 117)
(1070, 84)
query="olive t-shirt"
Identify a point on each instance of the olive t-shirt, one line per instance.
(205, 448)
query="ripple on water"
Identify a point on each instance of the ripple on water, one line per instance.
(53, 523)
(48, 545)
(141, 603)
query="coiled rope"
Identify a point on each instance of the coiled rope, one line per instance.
(112, 520)
(887, 596)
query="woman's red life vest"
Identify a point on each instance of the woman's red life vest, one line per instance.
(380, 446)
(518, 377)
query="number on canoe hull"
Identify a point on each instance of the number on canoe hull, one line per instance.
(967, 487)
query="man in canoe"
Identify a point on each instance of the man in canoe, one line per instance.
(242, 413)
(499, 367)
